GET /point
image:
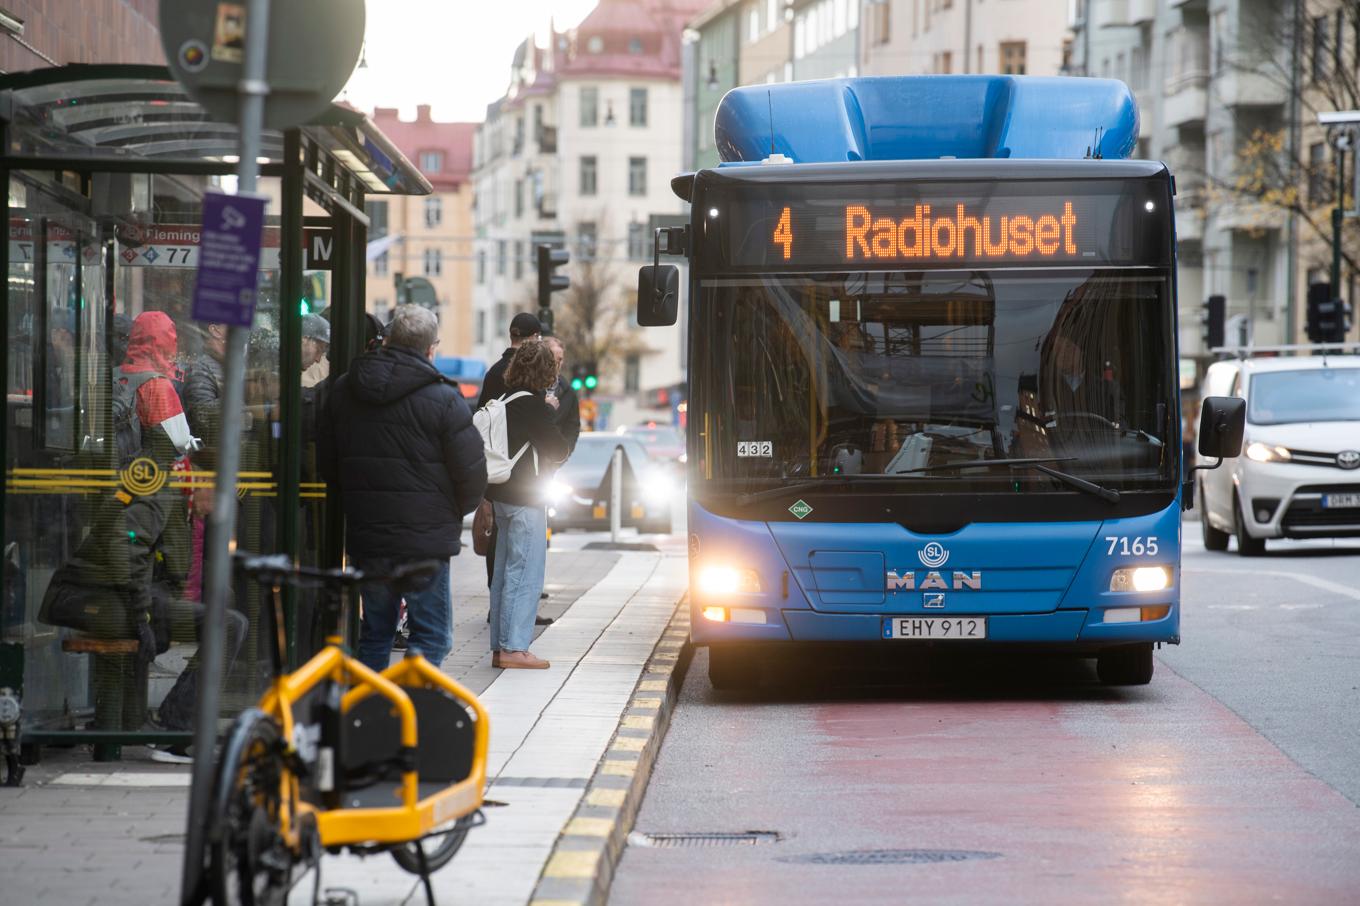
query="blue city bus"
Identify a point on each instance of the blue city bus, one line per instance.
(932, 361)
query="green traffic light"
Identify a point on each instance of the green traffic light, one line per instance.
(306, 307)
(591, 382)
(577, 383)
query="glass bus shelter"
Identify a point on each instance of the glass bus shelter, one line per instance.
(106, 167)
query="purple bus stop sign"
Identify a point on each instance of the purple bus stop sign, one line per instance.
(229, 259)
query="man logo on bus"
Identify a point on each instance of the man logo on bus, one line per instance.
(933, 555)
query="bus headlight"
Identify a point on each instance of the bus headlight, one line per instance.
(1140, 578)
(727, 580)
(1259, 452)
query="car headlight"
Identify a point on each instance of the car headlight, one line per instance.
(727, 580)
(1260, 452)
(1140, 578)
(657, 488)
(559, 491)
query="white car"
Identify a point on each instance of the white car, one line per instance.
(1299, 472)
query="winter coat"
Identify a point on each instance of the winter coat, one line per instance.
(152, 346)
(398, 441)
(530, 420)
(567, 417)
(203, 395)
(493, 383)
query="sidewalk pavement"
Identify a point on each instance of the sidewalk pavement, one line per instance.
(80, 832)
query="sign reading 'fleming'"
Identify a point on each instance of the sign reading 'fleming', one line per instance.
(952, 232)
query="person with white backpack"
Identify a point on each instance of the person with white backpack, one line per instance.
(523, 449)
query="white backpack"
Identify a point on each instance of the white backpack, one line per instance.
(491, 422)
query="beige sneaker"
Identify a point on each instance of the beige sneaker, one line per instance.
(522, 660)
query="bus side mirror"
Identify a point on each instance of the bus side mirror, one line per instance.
(1222, 420)
(658, 295)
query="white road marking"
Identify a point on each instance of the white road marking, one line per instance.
(1324, 584)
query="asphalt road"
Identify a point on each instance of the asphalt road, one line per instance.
(1233, 777)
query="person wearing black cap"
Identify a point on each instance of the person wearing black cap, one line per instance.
(523, 326)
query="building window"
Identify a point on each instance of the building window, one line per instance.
(637, 176)
(481, 327)
(753, 24)
(586, 239)
(588, 168)
(637, 241)
(595, 44)
(1319, 175)
(635, 46)
(432, 161)
(519, 198)
(1012, 57)
(882, 23)
(590, 106)
(637, 106)
(380, 265)
(434, 262)
(632, 374)
(1319, 48)
(434, 211)
(380, 310)
(481, 265)
(946, 62)
(771, 15)
(377, 219)
(500, 257)
(519, 259)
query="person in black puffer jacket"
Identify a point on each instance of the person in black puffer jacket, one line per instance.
(398, 441)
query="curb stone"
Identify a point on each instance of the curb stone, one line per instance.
(581, 866)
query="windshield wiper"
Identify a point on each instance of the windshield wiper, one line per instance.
(1072, 481)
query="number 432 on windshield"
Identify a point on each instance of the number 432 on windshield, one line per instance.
(1136, 546)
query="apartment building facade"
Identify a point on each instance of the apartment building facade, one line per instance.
(429, 238)
(580, 152)
(1017, 37)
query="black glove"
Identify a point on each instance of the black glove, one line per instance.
(146, 642)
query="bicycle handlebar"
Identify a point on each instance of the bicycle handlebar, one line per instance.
(277, 569)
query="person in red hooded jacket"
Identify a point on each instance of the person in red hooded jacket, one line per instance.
(152, 346)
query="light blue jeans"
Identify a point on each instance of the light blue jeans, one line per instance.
(521, 557)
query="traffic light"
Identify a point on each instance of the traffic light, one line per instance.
(1215, 309)
(591, 381)
(549, 260)
(1328, 317)
(578, 377)
(313, 293)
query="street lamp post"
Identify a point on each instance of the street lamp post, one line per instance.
(1343, 134)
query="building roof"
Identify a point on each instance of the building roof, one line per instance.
(630, 38)
(425, 134)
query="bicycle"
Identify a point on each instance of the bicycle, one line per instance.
(337, 757)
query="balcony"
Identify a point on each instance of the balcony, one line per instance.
(1239, 88)
(1185, 102)
(546, 136)
(1141, 11)
(1189, 218)
(1247, 216)
(1121, 13)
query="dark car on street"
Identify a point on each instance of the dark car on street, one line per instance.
(578, 495)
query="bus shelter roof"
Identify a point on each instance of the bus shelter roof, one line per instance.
(124, 113)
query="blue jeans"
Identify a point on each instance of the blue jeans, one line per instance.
(521, 556)
(430, 614)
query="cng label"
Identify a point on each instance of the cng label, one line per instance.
(800, 509)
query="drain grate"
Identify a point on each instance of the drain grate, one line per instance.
(891, 857)
(746, 838)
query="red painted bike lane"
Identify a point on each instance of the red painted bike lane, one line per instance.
(1159, 793)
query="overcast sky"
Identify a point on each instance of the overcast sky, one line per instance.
(452, 54)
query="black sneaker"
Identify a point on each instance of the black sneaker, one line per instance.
(543, 621)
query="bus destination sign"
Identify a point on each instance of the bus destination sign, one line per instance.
(933, 229)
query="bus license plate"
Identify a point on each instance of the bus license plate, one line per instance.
(1340, 501)
(965, 628)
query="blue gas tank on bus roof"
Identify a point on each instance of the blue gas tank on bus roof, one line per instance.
(926, 117)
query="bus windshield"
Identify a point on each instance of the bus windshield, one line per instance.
(902, 376)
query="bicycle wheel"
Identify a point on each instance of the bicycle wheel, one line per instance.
(437, 856)
(249, 863)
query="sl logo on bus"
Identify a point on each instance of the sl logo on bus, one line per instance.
(933, 555)
(143, 477)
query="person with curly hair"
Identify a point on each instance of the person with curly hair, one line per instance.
(521, 515)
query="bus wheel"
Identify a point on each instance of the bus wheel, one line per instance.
(1127, 665)
(1214, 540)
(732, 667)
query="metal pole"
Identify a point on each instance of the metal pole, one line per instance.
(253, 89)
(1338, 215)
(616, 496)
(1295, 128)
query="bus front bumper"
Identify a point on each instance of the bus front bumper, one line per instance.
(1078, 628)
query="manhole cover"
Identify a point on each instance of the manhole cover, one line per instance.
(891, 857)
(746, 838)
